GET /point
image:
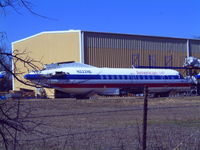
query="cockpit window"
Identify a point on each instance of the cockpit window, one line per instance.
(60, 72)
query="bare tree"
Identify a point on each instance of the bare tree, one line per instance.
(13, 120)
(17, 58)
(6, 83)
(17, 5)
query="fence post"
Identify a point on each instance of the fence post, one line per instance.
(145, 109)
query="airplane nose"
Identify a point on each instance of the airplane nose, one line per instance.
(30, 76)
(27, 76)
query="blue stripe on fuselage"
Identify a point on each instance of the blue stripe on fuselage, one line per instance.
(197, 76)
(1, 76)
(102, 77)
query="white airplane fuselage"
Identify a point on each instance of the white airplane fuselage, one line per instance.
(82, 80)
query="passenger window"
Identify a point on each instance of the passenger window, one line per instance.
(128, 77)
(125, 77)
(156, 77)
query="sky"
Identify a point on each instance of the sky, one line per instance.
(168, 18)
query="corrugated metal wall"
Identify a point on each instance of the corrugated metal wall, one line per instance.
(121, 50)
(195, 48)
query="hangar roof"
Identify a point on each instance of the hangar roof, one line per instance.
(94, 32)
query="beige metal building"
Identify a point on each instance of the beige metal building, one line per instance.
(106, 49)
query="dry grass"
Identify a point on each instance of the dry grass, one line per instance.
(113, 124)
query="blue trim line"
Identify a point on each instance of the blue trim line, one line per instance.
(197, 76)
(103, 77)
(1, 76)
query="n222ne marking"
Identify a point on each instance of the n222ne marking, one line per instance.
(84, 71)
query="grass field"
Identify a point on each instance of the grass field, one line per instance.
(111, 124)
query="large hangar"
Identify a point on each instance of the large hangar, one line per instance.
(107, 49)
(122, 50)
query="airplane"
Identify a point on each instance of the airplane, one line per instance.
(78, 79)
(2, 75)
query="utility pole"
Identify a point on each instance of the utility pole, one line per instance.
(145, 109)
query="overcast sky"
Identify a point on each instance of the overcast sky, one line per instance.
(171, 18)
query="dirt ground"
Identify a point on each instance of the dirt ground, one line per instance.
(111, 123)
